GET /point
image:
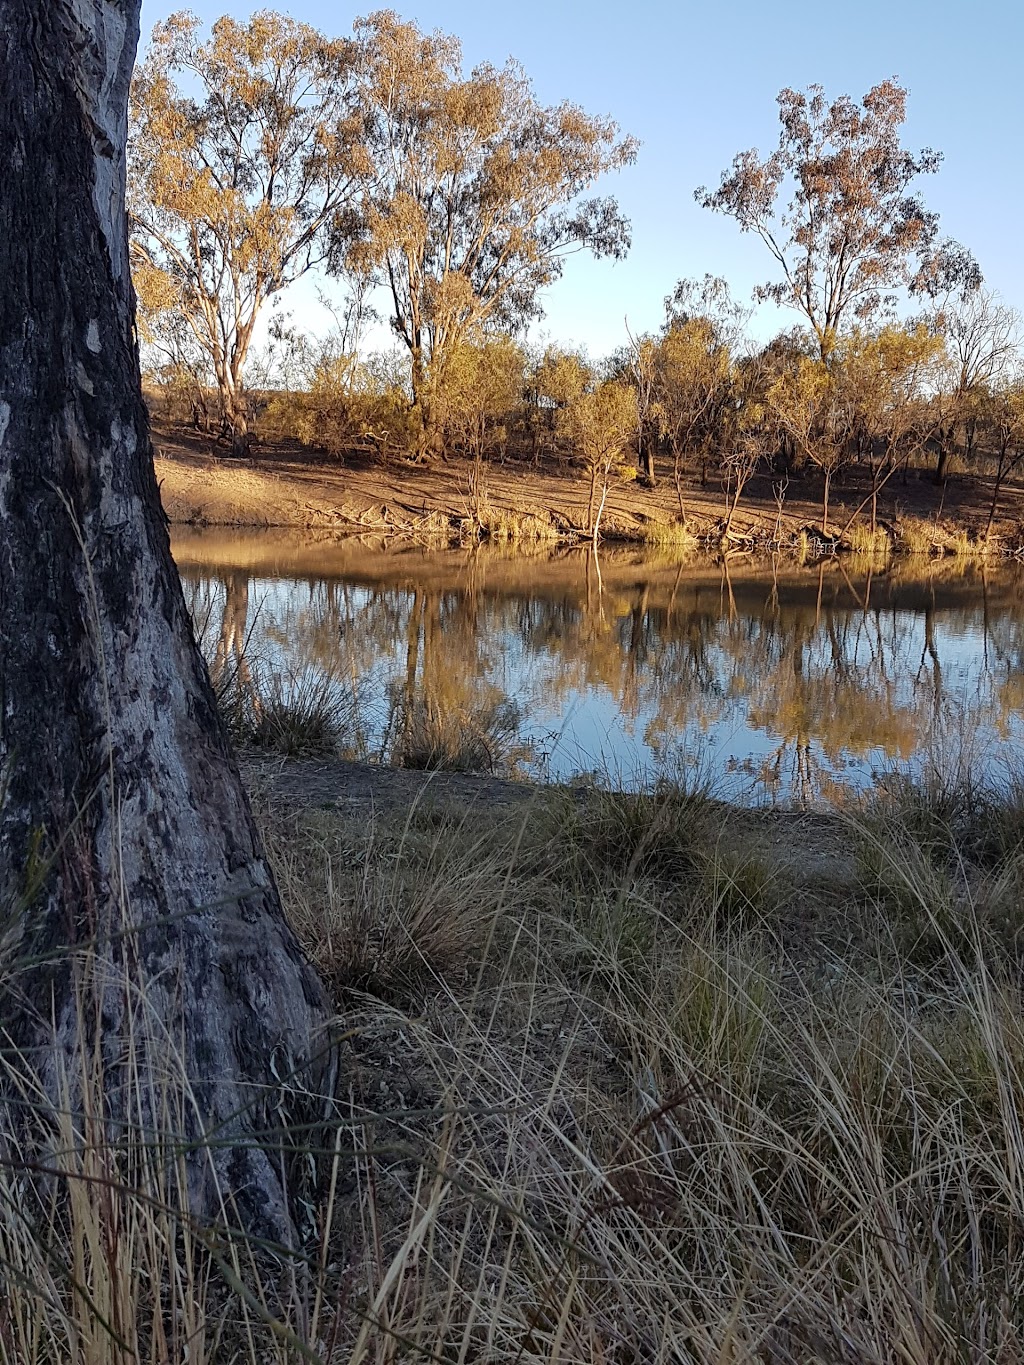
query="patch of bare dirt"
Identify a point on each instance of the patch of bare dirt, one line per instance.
(284, 484)
(345, 784)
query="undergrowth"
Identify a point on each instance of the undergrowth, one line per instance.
(612, 1089)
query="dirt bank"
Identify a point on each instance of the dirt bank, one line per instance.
(285, 485)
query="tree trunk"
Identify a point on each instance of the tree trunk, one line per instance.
(126, 836)
(593, 498)
(600, 510)
(942, 459)
(1001, 472)
(679, 485)
(422, 407)
(647, 461)
(824, 502)
(241, 446)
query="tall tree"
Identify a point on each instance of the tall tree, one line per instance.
(704, 330)
(834, 205)
(238, 181)
(476, 194)
(636, 365)
(124, 824)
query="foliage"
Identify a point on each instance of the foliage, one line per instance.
(484, 383)
(345, 402)
(852, 229)
(805, 403)
(601, 424)
(475, 196)
(234, 190)
(382, 159)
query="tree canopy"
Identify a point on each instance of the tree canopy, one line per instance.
(477, 191)
(835, 205)
(240, 177)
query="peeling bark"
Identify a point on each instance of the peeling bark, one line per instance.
(116, 765)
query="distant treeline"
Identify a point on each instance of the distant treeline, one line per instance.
(375, 159)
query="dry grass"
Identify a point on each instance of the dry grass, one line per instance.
(298, 716)
(513, 526)
(669, 533)
(592, 1111)
(389, 909)
(457, 738)
(863, 541)
(917, 536)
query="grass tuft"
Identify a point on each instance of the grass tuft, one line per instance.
(457, 739)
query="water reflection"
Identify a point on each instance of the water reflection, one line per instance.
(789, 683)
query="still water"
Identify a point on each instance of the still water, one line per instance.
(782, 683)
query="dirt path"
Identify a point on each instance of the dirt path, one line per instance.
(810, 849)
(344, 784)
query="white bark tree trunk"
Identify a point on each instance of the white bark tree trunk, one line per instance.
(124, 822)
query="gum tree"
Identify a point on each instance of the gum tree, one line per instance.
(239, 178)
(835, 206)
(602, 426)
(477, 195)
(128, 854)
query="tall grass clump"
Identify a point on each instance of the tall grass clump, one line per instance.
(385, 910)
(301, 714)
(948, 847)
(102, 1260)
(668, 533)
(465, 739)
(512, 525)
(863, 541)
(659, 831)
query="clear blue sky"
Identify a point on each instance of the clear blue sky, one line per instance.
(697, 82)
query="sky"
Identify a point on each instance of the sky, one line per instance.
(696, 83)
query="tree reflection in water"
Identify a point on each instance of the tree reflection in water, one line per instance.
(788, 683)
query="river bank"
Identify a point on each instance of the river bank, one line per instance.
(639, 1078)
(284, 485)
(614, 1079)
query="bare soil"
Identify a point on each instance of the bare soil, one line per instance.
(811, 850)
(287, 485)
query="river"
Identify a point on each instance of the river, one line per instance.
(775, 682)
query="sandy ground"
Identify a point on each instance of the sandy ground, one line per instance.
(811, 848)
(287, 486)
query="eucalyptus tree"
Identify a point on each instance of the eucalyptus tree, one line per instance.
(485, 385)
(601, 423)
(805, 401)
(557, 378)
(477, 195)
(1004, 412)
(887, 383)
(835, 206)
(239, 177)
(983, 342)
(134, 890)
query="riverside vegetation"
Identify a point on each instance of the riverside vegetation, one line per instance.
(625, 1078)
(600, 1077)
(447, 201)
